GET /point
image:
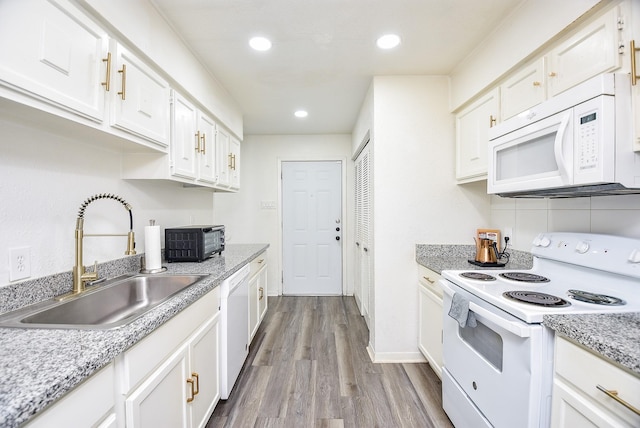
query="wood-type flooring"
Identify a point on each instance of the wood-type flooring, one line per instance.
(308, 367)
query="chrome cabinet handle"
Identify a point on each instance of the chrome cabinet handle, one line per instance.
(614, 394)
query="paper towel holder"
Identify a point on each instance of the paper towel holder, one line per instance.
(143, 261)
(143, 267)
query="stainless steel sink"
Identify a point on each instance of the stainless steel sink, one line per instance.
(111, 305)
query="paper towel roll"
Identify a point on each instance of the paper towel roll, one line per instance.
(152, 250)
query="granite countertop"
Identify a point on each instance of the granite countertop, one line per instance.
(39, 366)
(455, 257)
(614, 336)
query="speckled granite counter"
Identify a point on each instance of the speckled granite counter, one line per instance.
(39, 366)
(442, 257)
(615, 336)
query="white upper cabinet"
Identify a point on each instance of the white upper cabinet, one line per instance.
(185, 139)
(140, 98)
(590, 51)
(192, 142)
(472, 127)
(61, 56)
(223, 157)
(207, 129)
(234, 169)
(523, 90)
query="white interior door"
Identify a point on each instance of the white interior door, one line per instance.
(312, 228)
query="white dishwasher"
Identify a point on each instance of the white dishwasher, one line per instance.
(234, 312)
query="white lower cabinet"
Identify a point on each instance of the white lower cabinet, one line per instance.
(91, 404)
(430, 318)
(578, 399)
(171, 377)
(257, 293)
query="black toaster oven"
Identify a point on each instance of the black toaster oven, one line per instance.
(193, 243)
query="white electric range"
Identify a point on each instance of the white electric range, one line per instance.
(498, 357)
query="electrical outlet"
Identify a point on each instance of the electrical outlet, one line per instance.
(19, 263)
(508, 232)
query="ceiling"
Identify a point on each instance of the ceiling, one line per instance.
(324, 53)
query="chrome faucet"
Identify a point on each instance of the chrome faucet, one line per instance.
(80, 275)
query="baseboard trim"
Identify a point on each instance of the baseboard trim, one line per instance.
(395, 357)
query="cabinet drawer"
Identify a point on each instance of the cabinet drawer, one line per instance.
(586, 371)
(429, 280)
(151, 351)
(257, 264)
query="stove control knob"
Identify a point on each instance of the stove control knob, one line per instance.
(634, 257)
(582, 247)
(545, 242)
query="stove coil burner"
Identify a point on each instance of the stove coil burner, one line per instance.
(478, 276)
(535, 298)
(524, 277)
(597, 299)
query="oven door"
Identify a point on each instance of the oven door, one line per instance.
(502, 368)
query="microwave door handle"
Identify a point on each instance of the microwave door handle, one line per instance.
(558, 146)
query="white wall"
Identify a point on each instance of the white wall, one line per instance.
(45, 176)
(416, 200)
(241, 213)
(614, 215)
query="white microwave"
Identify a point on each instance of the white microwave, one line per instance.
(578, 143)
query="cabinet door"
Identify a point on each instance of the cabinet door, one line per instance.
(591, 51)
(185, 140)
(253, 306)
(472, 127)
(50, 50)
(206, 158)
(430, 323)
(262, 293)
(223, 157)
(161, 400)
(140, 98)
(523, 90)
(234, 170)
(205, 369)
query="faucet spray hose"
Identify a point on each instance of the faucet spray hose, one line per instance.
(95, 197)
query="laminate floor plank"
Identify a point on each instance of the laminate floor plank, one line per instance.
(308, 366)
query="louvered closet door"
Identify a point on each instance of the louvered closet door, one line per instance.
(363, 231)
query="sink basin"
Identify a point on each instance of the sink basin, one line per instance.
(111, 305)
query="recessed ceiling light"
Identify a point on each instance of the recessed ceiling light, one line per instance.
(301, 113)
(260, 43)
(388, 41)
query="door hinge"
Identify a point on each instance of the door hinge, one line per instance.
(282, 277)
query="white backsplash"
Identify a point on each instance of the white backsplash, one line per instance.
(613, 215)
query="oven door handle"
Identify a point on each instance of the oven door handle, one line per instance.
(513, 327)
